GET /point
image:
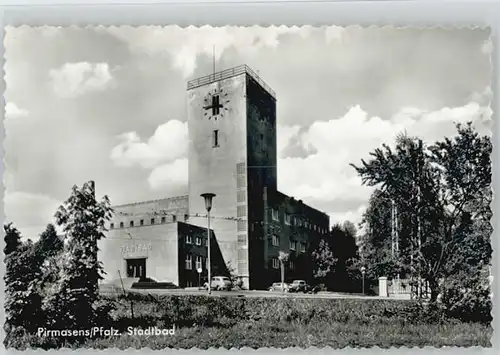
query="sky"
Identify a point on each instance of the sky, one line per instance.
(109, 104)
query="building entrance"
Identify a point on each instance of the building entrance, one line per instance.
(136, 268)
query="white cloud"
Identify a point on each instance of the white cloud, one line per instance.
(12, 111)
(75, 79)
(168, 143)
(169, 176)
(184, 45)
(30, 211)
(349, 139)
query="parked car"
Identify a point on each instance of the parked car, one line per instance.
(299, 286)
(220, 283)
(277, 286)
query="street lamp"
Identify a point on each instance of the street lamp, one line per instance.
(363, 270)
(208, 205)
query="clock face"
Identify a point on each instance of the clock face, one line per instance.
(215, 104)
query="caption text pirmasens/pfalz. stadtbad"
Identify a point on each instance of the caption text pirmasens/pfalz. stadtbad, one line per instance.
(106, 332)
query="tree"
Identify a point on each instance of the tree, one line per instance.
(22, 299)
(12, 238)
(345, 252)
(74, 300)
(441, 191)
(48, 251)
(323, 261)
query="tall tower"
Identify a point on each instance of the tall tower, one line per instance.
(232, 153)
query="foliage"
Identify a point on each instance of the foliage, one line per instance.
(22, 299)
(442, 193)
(12, 238)
(323, 260)
(48, 250)
(73, 302)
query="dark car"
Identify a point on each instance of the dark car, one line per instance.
(298, 286)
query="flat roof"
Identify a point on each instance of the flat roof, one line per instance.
(229, 73)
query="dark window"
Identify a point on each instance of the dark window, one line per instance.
(163, 220)
(152, 221)
(121, 224)
(174, 218)
(142, 222)
(186, 217)
(131, 223)
(216, 138)
(111, 226)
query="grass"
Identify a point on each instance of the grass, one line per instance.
(335, 335)
(228, 322)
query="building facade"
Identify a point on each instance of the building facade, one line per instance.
(232, 152)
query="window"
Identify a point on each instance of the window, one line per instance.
(199, 262)
(174, 218)
(163, 219)
(189, 262)
(215, 138)
(121, 224)
(291, 265)
(242, 226)
(198, 240)
(141, 222)
(276, 263)
(293, 245)
(240, 196)
(189, 240)
(186, 217)
(111, 226)
(276, 240)
(288, 219)
(241, 211)
(302, 247)
(152, 221)
(275, 215)
(131, 223)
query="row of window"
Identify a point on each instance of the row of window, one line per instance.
(296, 221)
(199, 261)
(198, 240)
(276, 264)
(292, 245)
(152, 221)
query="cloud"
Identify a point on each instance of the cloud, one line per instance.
(352, 137)
(31, 212)
(184, 45)
(76, 79)
(171, 176)
(12, 111)
(168, 143)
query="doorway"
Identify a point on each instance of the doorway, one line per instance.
(136, 268)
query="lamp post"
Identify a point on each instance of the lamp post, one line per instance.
(208, 205)
(363, 270)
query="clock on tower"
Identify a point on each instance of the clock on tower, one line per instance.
(215, 104)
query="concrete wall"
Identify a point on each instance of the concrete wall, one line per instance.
(214, 169)
(157, 243)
